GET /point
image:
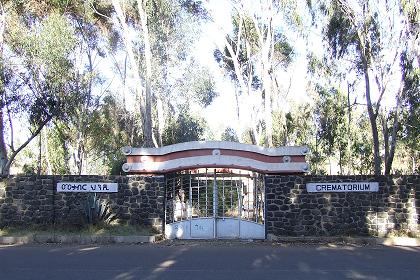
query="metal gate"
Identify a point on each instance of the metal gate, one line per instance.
(207, 205)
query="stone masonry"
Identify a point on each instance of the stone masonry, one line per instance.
(292, 211)
(33, 200)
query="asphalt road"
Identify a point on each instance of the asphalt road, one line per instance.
(208, 261)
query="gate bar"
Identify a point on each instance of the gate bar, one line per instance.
(214, 205)
(239, 190)
(207, 214)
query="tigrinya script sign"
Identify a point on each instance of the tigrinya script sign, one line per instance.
(86, 187)
(343, 187)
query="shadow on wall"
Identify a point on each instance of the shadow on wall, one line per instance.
(337, 213)
(397, 212)
(26, 200)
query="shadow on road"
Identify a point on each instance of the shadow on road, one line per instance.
(209, 260)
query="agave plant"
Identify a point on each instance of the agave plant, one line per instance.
(98, 210)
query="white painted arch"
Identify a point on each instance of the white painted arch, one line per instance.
(223, 145)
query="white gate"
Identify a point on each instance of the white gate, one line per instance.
(207, 205)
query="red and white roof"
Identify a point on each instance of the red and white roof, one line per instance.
(215, 154)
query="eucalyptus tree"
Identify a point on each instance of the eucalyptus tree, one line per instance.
(367, 34)
(411, 11)
(330, 112)
(89, 83)
(73, 131)
(112, 128)
(410, 123)
(252, 54)
(156, 36)
(36, 67)
(410, 64)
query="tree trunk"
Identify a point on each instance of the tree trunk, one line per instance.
(147, 118)
(64, 146)
(39, 155)
(393, 144)
(329, 163)
(372, 118)
(268, 52)
(385, 132)
(47, 152)
(6, 168)
(267, 110)
(134, 67)
(349, 136)
(161, 120)
(80, 154)
(238, 119)
(3, 151)
(265, 34)
(253, 135)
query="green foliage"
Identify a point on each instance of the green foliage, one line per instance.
(195, 7)
(46, 45)
(197, 85)
(40, 77)
(111, 128)
(294, 127)
(229, 135)
(412, 9)
(330, 115)
(340, 32)
(44, 49)
(345, 36)
(411, 103)
(58, 145)
(183, 129)
(247, 136)
(334, 134)
(249, 46)
(283, 51)
(362, 147)
(103, 132)
(29, 168)
(53, 44)
(204, 88)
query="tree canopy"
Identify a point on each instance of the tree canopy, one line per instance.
(81, 79)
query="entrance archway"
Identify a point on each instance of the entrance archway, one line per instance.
(215, 203)
(215, 189)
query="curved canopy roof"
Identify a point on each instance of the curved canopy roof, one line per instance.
(215, 154)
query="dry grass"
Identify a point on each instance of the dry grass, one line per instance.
(98, 230)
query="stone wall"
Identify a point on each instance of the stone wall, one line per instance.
(291, 210)
(29, 200)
